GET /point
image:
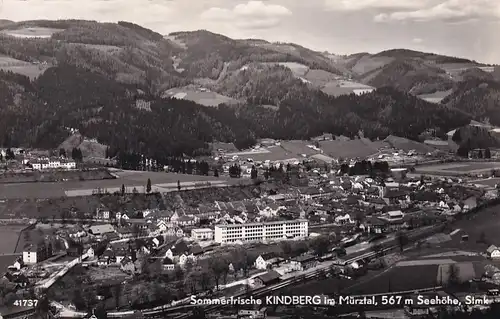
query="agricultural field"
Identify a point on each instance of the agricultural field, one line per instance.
(206, 98)
(299, 148)
(342, 87)
(273, 153)
(349, 149)
(54, 176)
(10, 236)
(130, 179)
(459, 168)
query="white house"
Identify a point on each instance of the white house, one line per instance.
(265, 261)
(343, 219)
(162, 226)
(202, 234)
(91, 253)
(493, 251)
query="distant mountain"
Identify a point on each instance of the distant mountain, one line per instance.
(138, 91)
(411, 71)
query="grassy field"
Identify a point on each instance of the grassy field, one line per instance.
(435, 97)
(204, 98)
(130, 179)
(10, 235)
(398, 279)
(349, 149)
(273, 153)
(459, 168)
(53, 176)
(35, 32)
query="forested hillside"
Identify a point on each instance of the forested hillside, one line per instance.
(414, 77)
(96, 74)
(481, 99)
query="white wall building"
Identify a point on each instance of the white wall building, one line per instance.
(277, 230)
(53, 164)
(202, 234)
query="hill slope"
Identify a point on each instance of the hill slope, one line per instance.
(407, 70)
(95, 73)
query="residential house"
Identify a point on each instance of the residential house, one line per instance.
(17, 265)
(168, 264)
(175, 231)
(124, 232)
(127, 265)
(177, 250)
(163, 226)
(304, 262)
(267, 261)
(103, 214)
(268, 278)
(493, 252)
(120, 255)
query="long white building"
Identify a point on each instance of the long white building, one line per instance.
(270, 231)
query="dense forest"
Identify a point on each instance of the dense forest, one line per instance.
(479, 98)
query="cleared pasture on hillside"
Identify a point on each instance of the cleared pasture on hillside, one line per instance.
(435, 97)
(207, 98)
(30, 70)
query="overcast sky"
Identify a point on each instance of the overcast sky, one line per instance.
(466, 28)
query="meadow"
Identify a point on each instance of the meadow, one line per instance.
(130, 179)
(10, 236)
(207, 98)
(458, 168)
